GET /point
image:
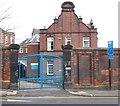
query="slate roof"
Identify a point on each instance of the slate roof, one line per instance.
(35, 38)
(24, 42)
(35, 31)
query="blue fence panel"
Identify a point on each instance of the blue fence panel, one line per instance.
(38, 77)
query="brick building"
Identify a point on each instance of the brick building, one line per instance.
(30, 45)
(85, 63)
(67, 29)
(6, 38)
(68, 36)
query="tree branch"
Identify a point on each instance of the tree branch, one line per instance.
(4, 14)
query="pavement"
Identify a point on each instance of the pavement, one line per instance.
(8, 92)
(60, 93)
(94, 93)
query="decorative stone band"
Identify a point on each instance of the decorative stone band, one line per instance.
(4, 80)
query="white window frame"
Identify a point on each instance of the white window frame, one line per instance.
(21, 50)
(86, 40)
(50, 43)
(49, 65)
(67, 39)
(26, 50)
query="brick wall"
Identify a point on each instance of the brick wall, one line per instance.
(90, 67)
(33, 48)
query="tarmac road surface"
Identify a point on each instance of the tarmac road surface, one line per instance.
(60, 100)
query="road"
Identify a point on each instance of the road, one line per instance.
(60, 100)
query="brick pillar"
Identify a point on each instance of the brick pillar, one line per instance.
(97, 68)
(74, 68)
(14, 66)
(119, 68)
(0, 65)
(67, 64)
(96, 73)
(5, 68)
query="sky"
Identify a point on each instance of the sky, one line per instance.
(29, 14)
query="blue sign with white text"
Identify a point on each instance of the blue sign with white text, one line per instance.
(34, 66)
(110, 50)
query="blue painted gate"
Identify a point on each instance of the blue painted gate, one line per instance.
(40, 71)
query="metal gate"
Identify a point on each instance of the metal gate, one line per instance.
(40, 71)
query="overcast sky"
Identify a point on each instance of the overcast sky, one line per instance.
(29, 14)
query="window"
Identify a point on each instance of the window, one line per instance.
(50, 67)
(11, 40)
(21, 50)
(50, 44)
(68, 40)
(1, 39)
(86, 42)
(6, 39)
(26, 50)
